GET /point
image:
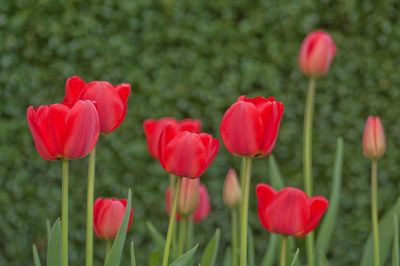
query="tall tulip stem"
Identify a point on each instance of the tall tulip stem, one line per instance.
(234, 225)
(171, 224)
(246, 174)
(307, 159)
(374, 210)
(183, 229)
(283, 251)
(109, 244)
(64, 213)
(89, 208)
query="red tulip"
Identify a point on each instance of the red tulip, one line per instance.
(250, 126)
(204, 205)
(153, 129)
(63, 132)
(374, 141)
(316, 54)
(186, 154)
(289, 211)
(111, 101)
(108, 214)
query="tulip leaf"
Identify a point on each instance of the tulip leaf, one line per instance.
(186, 258)
(133, 259)
(386, 233)
(155, 258)
(395, 249)
(250, 248)
(114, 257)
(36, 259)
(294, 261)
(275, 174)
(48, 229)
(211, 251)
(155, 235)
(269, 257)
(327, 226)
(227, 257)
(322, 260)
(54, 245)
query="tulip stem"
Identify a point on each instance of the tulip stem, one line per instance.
(108, 249)
(307, 159)
(234, 224)
(171, 223)
(183, 225)
(283, 251)
(374, 209)
(89, 208)
(174, 251)
(246, 174)
(64, 213)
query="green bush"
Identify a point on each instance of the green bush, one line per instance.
(192, 59)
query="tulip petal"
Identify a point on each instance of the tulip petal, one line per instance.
(318, 206)
(123, 90)
(271, 114)
(211, 146)
(204, 205)
(37, 138)
(265, 195)
(192, 125)
(73, 89)
(168, 133)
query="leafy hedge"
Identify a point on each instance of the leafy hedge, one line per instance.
(192, 59)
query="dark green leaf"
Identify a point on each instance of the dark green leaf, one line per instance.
(275, 174)
(185, 258)
(395, 250)
(54, 245)
(227, 257)
(133, 259)
(211, 251)
(155, 235)
(269, 257)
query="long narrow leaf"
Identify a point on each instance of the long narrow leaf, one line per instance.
(329, 221)
(395, 250)
(210, 253)
(155, 235)
(36, 259)
(227, 257)
(295, 258)
(269, 257)
(250, 248)
(275, 174)
(154, 258)
(386, 233)
(54, 245)
(48, 229)
(133, 259)
(114, 257)
(185, 258)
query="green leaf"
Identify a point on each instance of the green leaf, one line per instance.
(395, 249)
(48, 229)
(36, 259)
(154, 258)
(133, 259)
(386, 233)
(275, 174)
(185, 258)
(327, 226)
(269, 257)
(54, 245)
(114, 257)
(227, 257)
(250, 247)
(322, 260)
(155, 235)
(210, 253)
(294, 261)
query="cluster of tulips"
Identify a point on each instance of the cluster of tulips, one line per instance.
(249, 129)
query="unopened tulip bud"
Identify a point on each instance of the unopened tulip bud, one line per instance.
(188, 196)
(316, 54)
(231, 192)
(374, 141)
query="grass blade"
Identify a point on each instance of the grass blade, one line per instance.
(186, 258)
(133, 259)
(36, 259)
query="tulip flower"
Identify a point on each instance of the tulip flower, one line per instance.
(316, 54)
(153, 129)
(289, 211)
(64, 132)
(250, 126)
(374, 141)
(111, 101)
(186, 154)
(231, 192)
(108, 214)
(188, 196)
(204, 206)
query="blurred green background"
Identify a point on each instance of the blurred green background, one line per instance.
(192, 59)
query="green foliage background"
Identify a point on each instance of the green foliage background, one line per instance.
(192, 59)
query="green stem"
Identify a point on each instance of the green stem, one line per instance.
(108, 249)
(307, 159)
(174, 251)
(182, 235)
(244, 210)
(234, 224)
(374, 210)
(283, 251)
(171, 223)
(89, 208)
(64, 213)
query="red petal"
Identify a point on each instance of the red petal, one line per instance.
(73, 89)
(169, 132)
(271, 114)
(318, 206)
(204, 206)
(192, 125)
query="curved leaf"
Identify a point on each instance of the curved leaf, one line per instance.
(185, 258)
(36, 259)
(155, 235)
(210, 253)
(275, 174)
(269, 257)
(54, 245)
(227, 257)
(295, 258)
(133, 259)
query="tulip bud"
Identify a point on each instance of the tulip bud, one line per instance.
(316, 54)
(231, 192)
(374, 141)
(188, 196)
